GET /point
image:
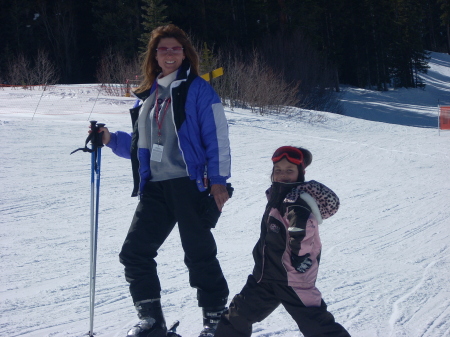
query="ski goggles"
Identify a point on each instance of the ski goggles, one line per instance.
(292, 154)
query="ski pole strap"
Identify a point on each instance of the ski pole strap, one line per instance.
(94, 137)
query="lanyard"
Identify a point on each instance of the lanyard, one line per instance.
(159, 122)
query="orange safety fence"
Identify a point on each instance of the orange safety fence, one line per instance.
(99, 86)
(444, 117)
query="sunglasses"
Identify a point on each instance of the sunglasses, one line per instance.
(165, 50)
(292, 154)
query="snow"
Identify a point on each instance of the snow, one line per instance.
(386, 257)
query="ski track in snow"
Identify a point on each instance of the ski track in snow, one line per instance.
(385, 260)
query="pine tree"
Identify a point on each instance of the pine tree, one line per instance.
(445, 19)
(117, 25)
(207, 61)
(153, 17)
(408, 57)
(379, 27)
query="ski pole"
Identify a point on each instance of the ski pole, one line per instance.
(95, 178)
(96, 141)
(94, 231)
(45, 85)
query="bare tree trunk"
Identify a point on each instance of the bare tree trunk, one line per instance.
(336, 78)
(60, 27)
(448, 38)
(203, 11)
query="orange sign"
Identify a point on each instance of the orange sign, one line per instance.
(444, 117)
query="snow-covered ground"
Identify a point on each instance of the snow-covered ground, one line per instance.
(385, 265)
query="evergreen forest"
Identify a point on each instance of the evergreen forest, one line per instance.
(373, 44)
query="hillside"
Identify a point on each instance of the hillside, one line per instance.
(386, 256)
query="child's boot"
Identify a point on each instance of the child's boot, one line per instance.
(211, 317)
(152, 322)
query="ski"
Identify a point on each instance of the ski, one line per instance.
(172, 332)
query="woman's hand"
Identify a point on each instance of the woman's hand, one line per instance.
(106, 135)
(220, 194)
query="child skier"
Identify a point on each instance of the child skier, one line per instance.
(287, 255)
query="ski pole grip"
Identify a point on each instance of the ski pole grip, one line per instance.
(94, 127)
(94, 137)
(100, 135)
(97, 138)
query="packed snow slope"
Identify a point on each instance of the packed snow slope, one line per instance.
(385, 265)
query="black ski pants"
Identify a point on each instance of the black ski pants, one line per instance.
(256, 301)
(162, 205)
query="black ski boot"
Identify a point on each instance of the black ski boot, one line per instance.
(211, 317)
(152, 322)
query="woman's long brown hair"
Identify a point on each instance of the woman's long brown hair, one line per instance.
(150, 67)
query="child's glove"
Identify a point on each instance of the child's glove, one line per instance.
(301, 263)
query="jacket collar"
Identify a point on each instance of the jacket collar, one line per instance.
(278, 191)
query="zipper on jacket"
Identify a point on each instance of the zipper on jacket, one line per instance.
(263, 263)
(173, 121)
(263, 253)
(139, 194)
